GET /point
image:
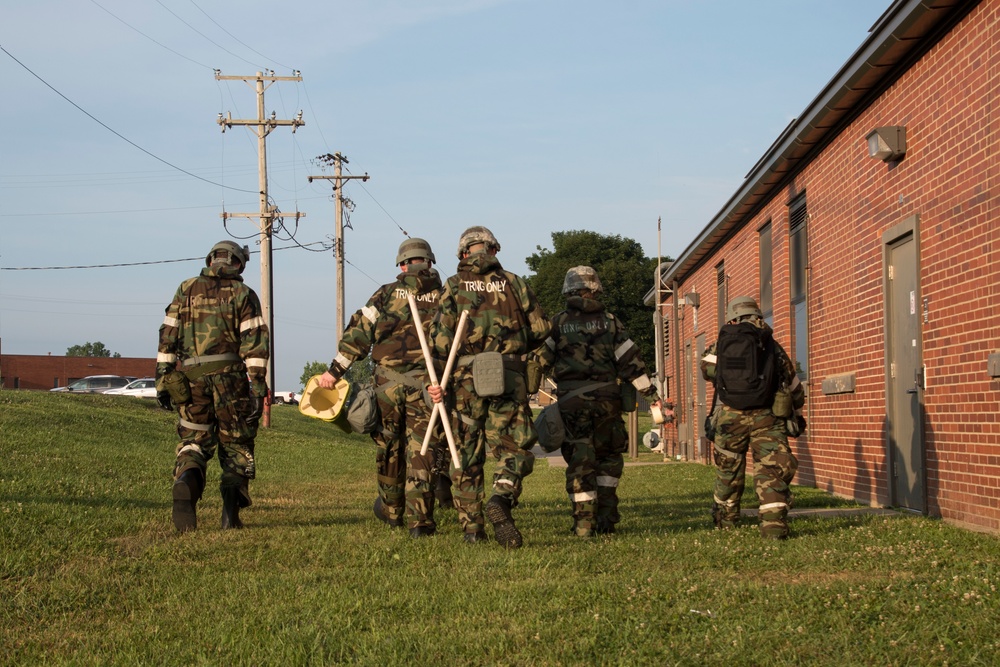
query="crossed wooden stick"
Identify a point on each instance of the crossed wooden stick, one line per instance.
(439, 407)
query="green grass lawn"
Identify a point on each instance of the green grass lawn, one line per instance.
(93, 573)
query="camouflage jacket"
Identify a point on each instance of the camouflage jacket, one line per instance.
(787, 376)
(214, 313)
(504, 315)
(590, 344)
(384, 328)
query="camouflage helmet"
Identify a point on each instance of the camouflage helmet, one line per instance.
(474, 235)
(741, 306)
(414, 249)
(236, 252)
(581, 278)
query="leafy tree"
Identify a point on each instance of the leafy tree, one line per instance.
(359, 373)
(625, 272)
(312, 368)
(88, 349)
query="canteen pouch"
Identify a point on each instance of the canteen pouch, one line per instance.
(488, 374)
(534, 377)
(550, 428)
(709, 428)
(630, 397)
(176, 384)
(782, 406)
(364, 414)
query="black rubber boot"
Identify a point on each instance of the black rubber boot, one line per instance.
(380, 514)
(187, 492)
(442, 492)
(231, 507)
(498, 512)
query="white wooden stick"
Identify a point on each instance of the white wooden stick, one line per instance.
(438, 407)
(459, 332)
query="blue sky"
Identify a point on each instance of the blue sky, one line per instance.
(527, 116)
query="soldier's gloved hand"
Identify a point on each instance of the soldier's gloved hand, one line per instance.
(256, 410)
(163, 398)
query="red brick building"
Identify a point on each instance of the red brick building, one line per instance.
(29, 371)
(877, 268)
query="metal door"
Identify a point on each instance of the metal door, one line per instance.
(700, 409)
(905, 376)
(687, 446)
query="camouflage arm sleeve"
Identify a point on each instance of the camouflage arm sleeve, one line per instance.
(166, 352)
(255, 344)
(707, 364)
(629, 363)
(357, 339)
(539, 326)
(790, 377)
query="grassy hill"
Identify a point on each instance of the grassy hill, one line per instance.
(93, 573)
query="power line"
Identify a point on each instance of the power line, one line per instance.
(151, 39)
(124, 264)
(116, 133)
(235, 37)
(203, 34)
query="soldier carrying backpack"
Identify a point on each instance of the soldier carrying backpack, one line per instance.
(757, 398)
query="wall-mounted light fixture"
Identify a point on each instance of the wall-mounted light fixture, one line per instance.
(887, 143)
(691, 299)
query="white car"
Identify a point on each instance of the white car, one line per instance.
(143, 388)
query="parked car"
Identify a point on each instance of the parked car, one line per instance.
(286, 398)
(95, 384)
(143, 388)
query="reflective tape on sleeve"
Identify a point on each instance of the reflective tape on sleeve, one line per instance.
(171, 322)
(551, 343)
(342, 361)
(642, 383)
(256, 363)
(370, 313)
(194, 427)
(710, 359)
(252, 323)
(623, 348)
(166, 358)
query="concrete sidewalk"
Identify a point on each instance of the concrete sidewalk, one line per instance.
(555, 460)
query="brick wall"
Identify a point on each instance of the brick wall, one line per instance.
(25, 371)
(949, 102)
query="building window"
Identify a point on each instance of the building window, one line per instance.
(798, 261)
(766, 273)
(720, 295)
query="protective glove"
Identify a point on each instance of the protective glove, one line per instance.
(163, 398)
(256, 410)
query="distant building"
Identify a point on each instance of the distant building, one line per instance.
(869, 233)
(43, 372)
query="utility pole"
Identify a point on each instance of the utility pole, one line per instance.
(338, 251)
(262, 127)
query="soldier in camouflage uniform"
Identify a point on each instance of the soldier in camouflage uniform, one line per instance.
(760, 431)
(385, 330)
(214, 329)
(504, 319)
(589, 353)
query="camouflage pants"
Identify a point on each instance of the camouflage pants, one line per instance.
(504, 426)
(215, 420)
(595, 441)
(774, 467)
(404, 476)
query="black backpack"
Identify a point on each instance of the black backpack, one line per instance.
(746, 367)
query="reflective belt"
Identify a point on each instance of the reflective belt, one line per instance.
(410, 379)
(209, 358)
